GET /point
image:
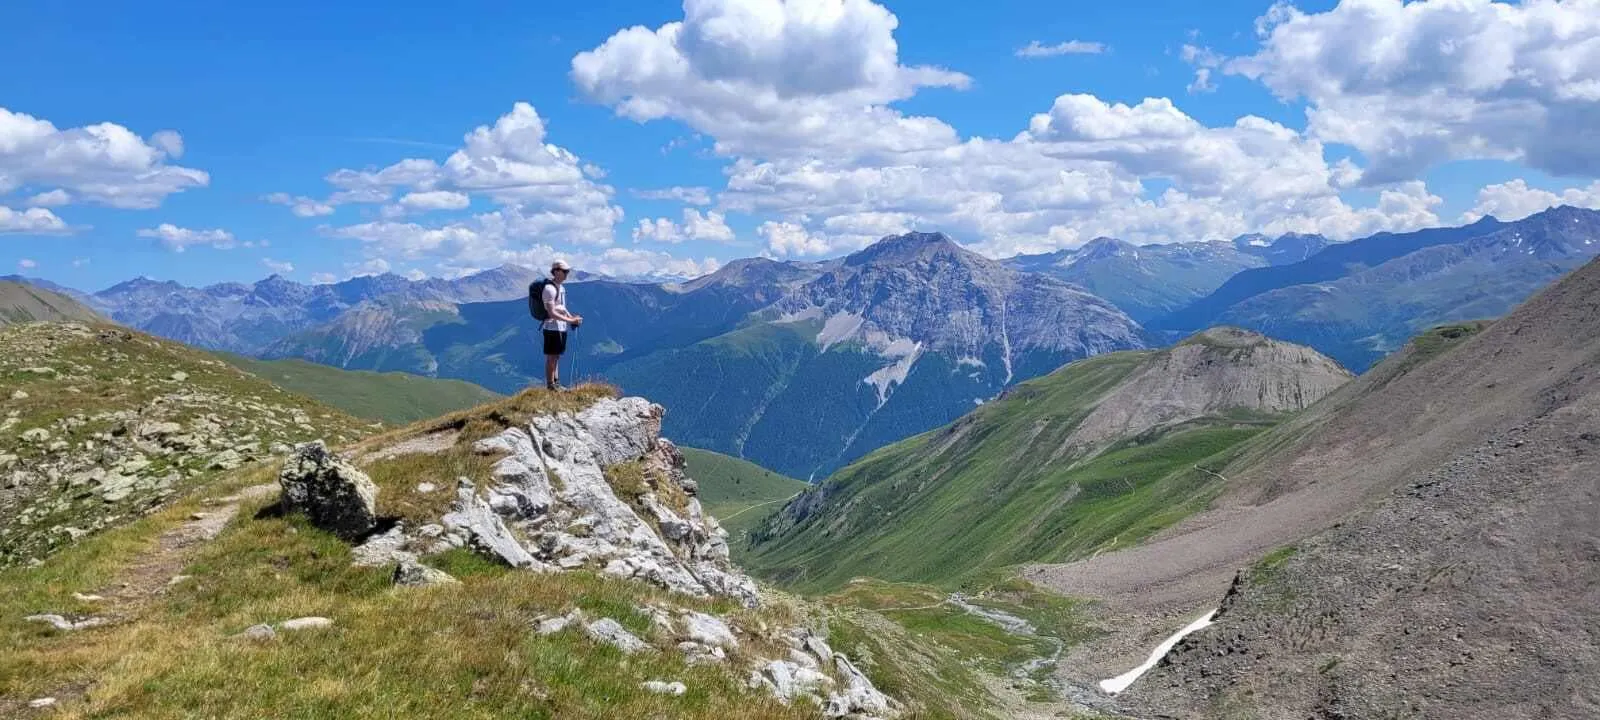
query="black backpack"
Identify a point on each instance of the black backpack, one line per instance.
(536, 299)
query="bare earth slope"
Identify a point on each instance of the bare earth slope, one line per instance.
(1214, 371)
(1408, 418)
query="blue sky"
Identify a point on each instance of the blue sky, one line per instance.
(272, 100)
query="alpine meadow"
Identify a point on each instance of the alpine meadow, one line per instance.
(772, 359)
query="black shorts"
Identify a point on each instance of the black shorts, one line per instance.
(555, 342)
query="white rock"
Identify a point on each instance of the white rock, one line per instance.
(80, 597)
(306, 623)
(484, 528)
(623, 429)
(708, 630)
(36, 435)
(613, 633)
(859, 696)
(60, 623)
(383, 549)
(258, 633)
(552, 626)
(791, 680)
(42, 703)
(664, 688)
(19, 395)
(180, 376)
(426, 487)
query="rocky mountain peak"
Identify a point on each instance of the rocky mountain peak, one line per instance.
(1102, 248)
(908, 248)
(141, 286)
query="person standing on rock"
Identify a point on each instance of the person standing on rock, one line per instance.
(557, 322)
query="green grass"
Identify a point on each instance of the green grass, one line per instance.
(996, 489)
(107, 382)
(738, 493)
(395, 398)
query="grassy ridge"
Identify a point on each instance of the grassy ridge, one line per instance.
(392, 397)
(995, 489)
(738, 493)
(20, 302)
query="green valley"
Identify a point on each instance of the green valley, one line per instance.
(738, 493)
(1095, 456)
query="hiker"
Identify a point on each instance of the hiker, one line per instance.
(547, 301)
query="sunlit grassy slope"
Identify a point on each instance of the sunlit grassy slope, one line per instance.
(391, 397)
(994, 489)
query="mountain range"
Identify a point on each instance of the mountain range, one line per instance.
(1152, 280)
(804, 366)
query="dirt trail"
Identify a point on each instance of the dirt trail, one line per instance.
(144, 579)
(157, 569)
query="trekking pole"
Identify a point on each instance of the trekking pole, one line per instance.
(574, 373)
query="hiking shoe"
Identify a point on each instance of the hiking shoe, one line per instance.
(555, 387)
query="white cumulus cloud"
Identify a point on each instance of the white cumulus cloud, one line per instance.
(26, 264)
(301, 205)
(1414, 84)
(102, 164)
(179, 239)
(786, 238)
(802, 76)
(435, 200)
(1035, 49)
(1514, 200)
(278, 266)
(711, 226)
(32, 221)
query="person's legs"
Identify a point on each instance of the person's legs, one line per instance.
(555, 344)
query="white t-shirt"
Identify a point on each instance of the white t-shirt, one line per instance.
(555, 296)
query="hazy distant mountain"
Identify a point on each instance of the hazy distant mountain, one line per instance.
(250, 318)
(1359, 301)
(1147, 281)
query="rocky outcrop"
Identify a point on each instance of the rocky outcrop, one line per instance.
(333, 494)
(552, 486)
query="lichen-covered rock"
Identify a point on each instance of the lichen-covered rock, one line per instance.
(333, 494)
(413, 574)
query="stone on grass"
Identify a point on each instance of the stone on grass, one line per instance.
(333, 494)
(306, 623)
(414, 574)
(64, 625)
(258, 633)
(551, 626)
(708, 630)
(664, 688)
(614, 634)
(42, 703)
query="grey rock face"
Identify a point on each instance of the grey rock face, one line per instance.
(333, 494)
(551, 483)
(484, 529)
(664, 688)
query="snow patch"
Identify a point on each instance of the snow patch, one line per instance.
(975, 362)
(905, 352)
(838, 328)
(1121, 682)
(1261, 242)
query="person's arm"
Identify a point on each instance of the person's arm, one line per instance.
(556, 312)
